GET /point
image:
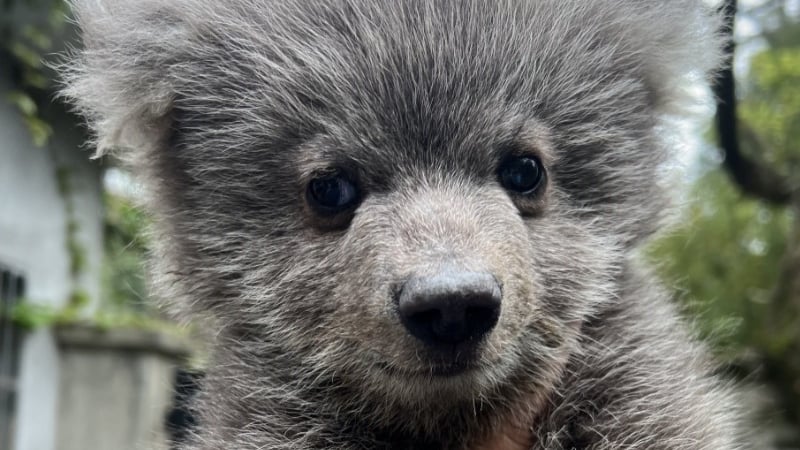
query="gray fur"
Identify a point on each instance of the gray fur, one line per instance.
(227, 107)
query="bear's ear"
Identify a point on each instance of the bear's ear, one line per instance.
(680, 42)
(122, 77)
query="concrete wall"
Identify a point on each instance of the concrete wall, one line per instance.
(33, 241)
(116, 388)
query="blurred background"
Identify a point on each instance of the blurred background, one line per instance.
(86, 361)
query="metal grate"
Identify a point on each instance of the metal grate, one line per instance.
(181, 420)
(12, 288)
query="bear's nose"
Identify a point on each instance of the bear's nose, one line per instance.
(451, 307)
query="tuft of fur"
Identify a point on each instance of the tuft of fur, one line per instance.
(226, 109)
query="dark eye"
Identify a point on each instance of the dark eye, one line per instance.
(522, 174)
(332, 193)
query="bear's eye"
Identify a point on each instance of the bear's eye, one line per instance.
(522, 174)
(332, 193)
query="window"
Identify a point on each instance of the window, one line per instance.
(12, 288)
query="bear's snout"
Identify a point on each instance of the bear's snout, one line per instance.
(450, 308)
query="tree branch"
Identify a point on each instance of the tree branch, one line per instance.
(752, 176)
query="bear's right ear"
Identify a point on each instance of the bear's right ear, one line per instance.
(122, 79)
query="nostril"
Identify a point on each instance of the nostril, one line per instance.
(450, 307)
(426, 318)
(482, 318)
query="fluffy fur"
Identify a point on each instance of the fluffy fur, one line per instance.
(226, 109)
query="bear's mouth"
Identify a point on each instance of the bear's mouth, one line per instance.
(460, 362)
(434, 366)
(451, 370)
(434, 371)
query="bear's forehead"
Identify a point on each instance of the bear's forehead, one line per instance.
(427, 79)
(417, 82)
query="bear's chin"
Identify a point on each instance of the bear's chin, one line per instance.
(445, 384)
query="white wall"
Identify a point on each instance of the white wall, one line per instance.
(33, 241)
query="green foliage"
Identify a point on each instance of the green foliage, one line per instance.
(75, 249)
(724, 256)
(125, 251)
(771, 110)
(732, 254)
(29, 32)
(124, 292)
(31, 316)
(27, 29)
(39, 130)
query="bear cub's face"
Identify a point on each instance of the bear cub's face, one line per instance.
(411, 205)
(446, 265)
(406, 234)
(431, 265)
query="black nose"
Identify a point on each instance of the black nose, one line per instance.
(451, 307)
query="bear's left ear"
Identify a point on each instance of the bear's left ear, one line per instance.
(680, 41)
(122, 79)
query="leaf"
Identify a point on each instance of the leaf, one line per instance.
(23, 102)
(37, 37)
(26, 55)
(31, 316)
(35, 79)
(40, 130)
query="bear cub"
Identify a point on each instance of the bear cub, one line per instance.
(411, 224)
